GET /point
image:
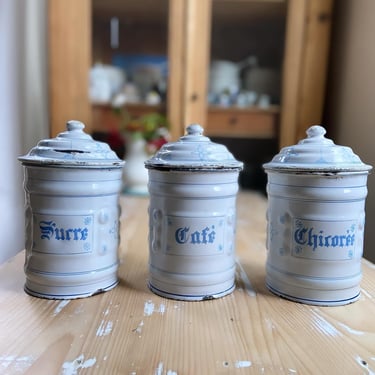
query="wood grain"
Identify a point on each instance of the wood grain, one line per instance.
(176, 66)
(188, 58)
(305, 67)
(292, 67)
(313, 77)
(198, 40)
(129, 330)
(249, 122)
(69, 51)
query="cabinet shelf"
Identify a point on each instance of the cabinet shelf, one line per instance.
(105, 119)
(251, 122)
(233, 122)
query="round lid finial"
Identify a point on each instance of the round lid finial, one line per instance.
(74, 125)
(315, 131)
(194, 129)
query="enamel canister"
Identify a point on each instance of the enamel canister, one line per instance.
(315, 221)
(193, 184)
(72, 185)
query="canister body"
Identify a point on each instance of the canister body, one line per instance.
(315, 229)
(72, 230)
(192, 217)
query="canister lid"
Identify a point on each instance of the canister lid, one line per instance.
(317, 153)
(193, 151)
(72, 148)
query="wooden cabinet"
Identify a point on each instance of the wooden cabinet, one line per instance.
(189, 45)
(243, 122)
(69, 51)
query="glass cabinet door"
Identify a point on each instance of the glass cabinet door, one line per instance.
(129, 60)
(244, 78)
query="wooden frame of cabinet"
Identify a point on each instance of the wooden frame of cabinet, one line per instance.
(308, 27)
(188, 57)
(305, 67)
(69, 52)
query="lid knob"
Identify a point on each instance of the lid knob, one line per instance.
(74, 125)
(315, 131)
(194, 129)
(315, 135)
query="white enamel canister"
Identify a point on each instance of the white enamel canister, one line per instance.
(72, 186)
(316, 217)
(193, 185)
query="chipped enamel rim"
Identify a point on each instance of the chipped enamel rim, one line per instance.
(194, 152)
(72, 148)
(316, 153)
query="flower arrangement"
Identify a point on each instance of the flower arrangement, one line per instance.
(152, 127)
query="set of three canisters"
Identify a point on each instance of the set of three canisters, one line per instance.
(315, 218)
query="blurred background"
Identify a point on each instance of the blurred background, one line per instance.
(255, 73)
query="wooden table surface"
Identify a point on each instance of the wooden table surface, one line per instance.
(131, 331)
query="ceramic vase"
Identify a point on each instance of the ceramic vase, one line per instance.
(135, 175)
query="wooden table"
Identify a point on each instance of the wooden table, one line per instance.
(129, 330)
